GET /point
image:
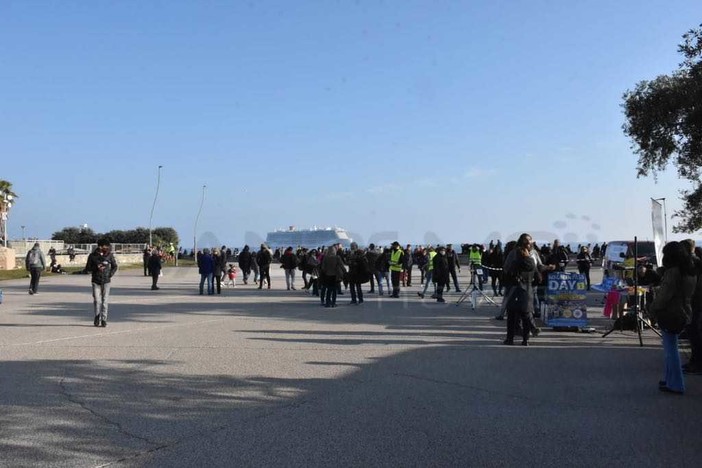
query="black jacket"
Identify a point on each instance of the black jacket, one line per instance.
(245, 260)
(264, 258)
(372, 257)
(101, 267)
(288, 261)
(521, 271)
(154, 264)
(441, 268)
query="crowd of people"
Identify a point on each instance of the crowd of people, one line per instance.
(517, 272)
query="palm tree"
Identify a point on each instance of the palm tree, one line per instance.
(7, 196)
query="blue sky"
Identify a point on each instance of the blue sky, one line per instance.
(459, 119)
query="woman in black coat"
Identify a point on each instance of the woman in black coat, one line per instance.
(520, 268)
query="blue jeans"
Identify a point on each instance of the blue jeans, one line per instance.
(209, 277)
(427, 279)
(673, 369)
(380, 276)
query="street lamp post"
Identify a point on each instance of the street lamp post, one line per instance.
(23, 238)
(151, 216)
(6, 205)
(197, 218)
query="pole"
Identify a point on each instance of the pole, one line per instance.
(151, 216)
(23, 238)
(197, 218)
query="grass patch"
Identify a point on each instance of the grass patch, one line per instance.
(13, 274)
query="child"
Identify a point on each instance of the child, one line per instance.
(231, 275)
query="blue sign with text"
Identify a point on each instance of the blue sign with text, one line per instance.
(566, 300)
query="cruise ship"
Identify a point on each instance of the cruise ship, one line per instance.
(309, 238)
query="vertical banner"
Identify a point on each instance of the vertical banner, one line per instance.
(565, 300)
(658, 229)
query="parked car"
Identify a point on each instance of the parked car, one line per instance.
(617, 251)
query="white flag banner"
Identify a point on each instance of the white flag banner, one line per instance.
(658, 229)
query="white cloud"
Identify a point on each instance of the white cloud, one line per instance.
(475, 172)
(385, 188)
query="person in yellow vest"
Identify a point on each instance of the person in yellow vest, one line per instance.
(396, 260)
(476, 261)
(429, 271)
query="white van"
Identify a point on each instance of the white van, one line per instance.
(617, 251)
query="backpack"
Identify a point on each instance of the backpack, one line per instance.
(364, 273)
(34, 258)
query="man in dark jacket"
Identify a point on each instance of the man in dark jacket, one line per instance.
(154, 266)
(245, 263)
(102, 266)
(288, 261)
(441, 273)
(35, 263)
(264, 259)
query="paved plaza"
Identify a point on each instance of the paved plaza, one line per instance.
(270, 378)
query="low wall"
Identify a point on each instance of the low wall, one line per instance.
(80, 260)
(7, 259)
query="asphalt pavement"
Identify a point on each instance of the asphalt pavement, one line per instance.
(269, 378)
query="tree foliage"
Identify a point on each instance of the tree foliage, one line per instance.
(664, 122)
(161, 236)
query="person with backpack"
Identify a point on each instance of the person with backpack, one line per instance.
(359, 273)
(35, 263)
(102, 266)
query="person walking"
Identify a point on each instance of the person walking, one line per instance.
(428, 271)
(245, 263)
(441, 273)
(154, 266)
(102, 266)
(206, 270)
(35, 263)
(288, 262)
(396, 261)
(264, 260)
(672, 309)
